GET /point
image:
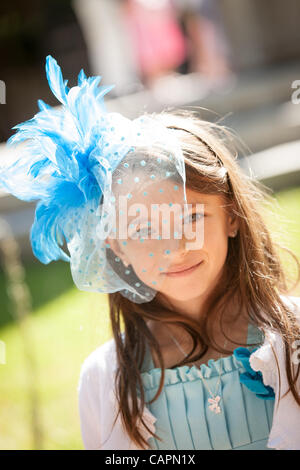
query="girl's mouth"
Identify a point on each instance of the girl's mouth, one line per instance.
(185, 272)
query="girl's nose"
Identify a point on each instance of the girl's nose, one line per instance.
(175, 248)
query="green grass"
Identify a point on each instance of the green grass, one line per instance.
(62, 331)
(64, 327)
(285, 228)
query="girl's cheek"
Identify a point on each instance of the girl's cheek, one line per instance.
(138, 254)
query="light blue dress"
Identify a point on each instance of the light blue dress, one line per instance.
(185, 422)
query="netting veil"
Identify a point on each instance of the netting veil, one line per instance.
(111, 189)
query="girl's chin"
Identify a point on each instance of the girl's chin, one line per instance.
(186, 294)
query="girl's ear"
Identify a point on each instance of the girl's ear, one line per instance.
(232, 222)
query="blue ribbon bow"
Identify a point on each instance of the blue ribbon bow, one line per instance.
(251, 379)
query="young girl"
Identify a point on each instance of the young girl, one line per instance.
(207, 358)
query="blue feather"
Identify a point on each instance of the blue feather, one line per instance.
(81, 77)
(37, 167)
(43, 234)
(55, 79)
(43, 106)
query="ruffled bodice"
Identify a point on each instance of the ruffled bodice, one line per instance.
(183, 419)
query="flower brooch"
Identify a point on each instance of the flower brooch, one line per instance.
(251, 379)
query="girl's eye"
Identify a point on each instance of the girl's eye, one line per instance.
(147, 230)
(143, 232)
(195, 216)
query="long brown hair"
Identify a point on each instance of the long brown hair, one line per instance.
(253, 274)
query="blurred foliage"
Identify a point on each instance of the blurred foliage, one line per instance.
(29, 31)
(23, 26)
(284, 224)
(64, 329)
(45, 283)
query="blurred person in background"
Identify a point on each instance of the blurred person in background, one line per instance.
(158, 42)
(136, 42)
(131, 42)
(208, 48)
(109, 46)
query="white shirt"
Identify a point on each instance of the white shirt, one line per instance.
(98, 404)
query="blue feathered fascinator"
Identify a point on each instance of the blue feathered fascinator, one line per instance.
(67, 159)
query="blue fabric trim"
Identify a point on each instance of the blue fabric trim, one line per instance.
(251, 379)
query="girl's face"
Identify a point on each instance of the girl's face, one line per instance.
(153, 260)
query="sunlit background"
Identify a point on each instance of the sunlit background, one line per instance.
(236, 61)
